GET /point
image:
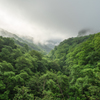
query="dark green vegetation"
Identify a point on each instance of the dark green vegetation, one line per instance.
(70, 72)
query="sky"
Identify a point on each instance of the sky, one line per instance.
(49, 19)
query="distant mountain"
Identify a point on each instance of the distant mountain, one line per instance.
(5, 33)
(84, 32)
(49, 44)
(52, 43)
(25, 40)
(44, 47)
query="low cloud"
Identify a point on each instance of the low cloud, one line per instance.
(49, 20)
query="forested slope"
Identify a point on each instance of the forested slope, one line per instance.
(26, 75)
(64, 48)
(70, 72)
(25, 40)
(79, 59)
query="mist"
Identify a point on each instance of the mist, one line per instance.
(49, 20)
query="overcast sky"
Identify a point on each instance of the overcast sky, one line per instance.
(49, 19)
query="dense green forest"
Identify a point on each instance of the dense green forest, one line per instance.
(69, 72)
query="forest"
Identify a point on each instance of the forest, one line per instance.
(71, 71)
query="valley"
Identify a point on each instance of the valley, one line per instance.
(69, 72)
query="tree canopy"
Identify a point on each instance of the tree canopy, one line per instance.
(69, 72)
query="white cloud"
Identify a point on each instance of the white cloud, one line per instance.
(46, 20)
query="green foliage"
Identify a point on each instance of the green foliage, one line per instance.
(70, 72)
(22, 94)
(79, 59)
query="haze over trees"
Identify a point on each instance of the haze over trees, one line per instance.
(23, 40)
(69, 72)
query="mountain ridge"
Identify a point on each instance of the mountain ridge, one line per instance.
(27, 40)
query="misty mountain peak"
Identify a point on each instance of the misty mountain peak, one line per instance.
(84, 32)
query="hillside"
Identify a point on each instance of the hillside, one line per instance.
(43, 47)
(70, 72)
(79, 59)
(65, 47)
(25, 40)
